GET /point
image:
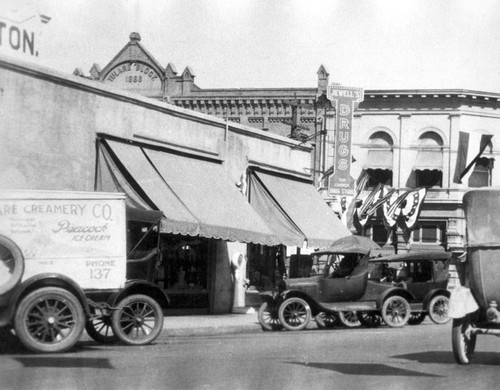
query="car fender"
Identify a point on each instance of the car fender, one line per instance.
(315, 307)
(394, 291)
(270, 297)
(431, 294)
(140, 287)
(40, 281)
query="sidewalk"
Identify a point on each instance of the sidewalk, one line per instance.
(203, 325)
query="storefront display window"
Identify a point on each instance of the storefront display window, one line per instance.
(265, 266)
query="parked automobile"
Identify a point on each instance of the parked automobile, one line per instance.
(63, 268)
(473, 306)
(337, 286)
(424, 274)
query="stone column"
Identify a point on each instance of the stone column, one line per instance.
(238, 269)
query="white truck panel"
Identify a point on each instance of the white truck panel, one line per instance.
(79, 234)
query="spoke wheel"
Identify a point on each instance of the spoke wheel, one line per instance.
(138, 320)
(294, 314)
(396, 311)
(369, 319)
(49, 319)
(11, 264)
(417, 317)
(349, 319)
(438, 309)
(463, 340)
(268, 317)
(99, 327)
(327, 320)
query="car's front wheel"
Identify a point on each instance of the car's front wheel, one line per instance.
(294, 314)
(396, 311)
(438, 309)
(138, 320)
(463, 340)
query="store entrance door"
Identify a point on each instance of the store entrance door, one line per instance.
(184, 272)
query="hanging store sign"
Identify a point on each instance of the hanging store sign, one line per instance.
(343, 99)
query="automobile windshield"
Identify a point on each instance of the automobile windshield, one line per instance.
(384, 271)
(320, 264)
(482, 217)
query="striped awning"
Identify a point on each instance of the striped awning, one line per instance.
(196, 196)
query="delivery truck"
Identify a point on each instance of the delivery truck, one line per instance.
(66, 266)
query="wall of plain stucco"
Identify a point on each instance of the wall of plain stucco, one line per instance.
(50, 121)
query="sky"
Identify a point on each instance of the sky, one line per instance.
(371, 44)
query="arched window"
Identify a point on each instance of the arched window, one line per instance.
(428, 166)
(379, 163)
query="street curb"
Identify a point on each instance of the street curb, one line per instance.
(210, 331)
(210, 325)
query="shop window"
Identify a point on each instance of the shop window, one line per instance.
(430, 233)
(383, 176)
(481, 175)
(428, 178)
(265, 266)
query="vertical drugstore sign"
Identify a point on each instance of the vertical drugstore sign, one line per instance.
(343, 99)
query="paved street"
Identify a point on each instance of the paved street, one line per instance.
(414, 357)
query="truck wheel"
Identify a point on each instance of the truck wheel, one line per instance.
(294, 314)
(99, 327)
(438, 309)
(463, 340)
(396, 311)
(138, 320)
(11, 264)
(49, 320)
(268, 317)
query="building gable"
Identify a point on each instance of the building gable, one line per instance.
(134, 69)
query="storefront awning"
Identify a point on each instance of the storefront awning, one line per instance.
(379, 159)
(273, 214)
(299, 204)
(195, 195)
(429, 160)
